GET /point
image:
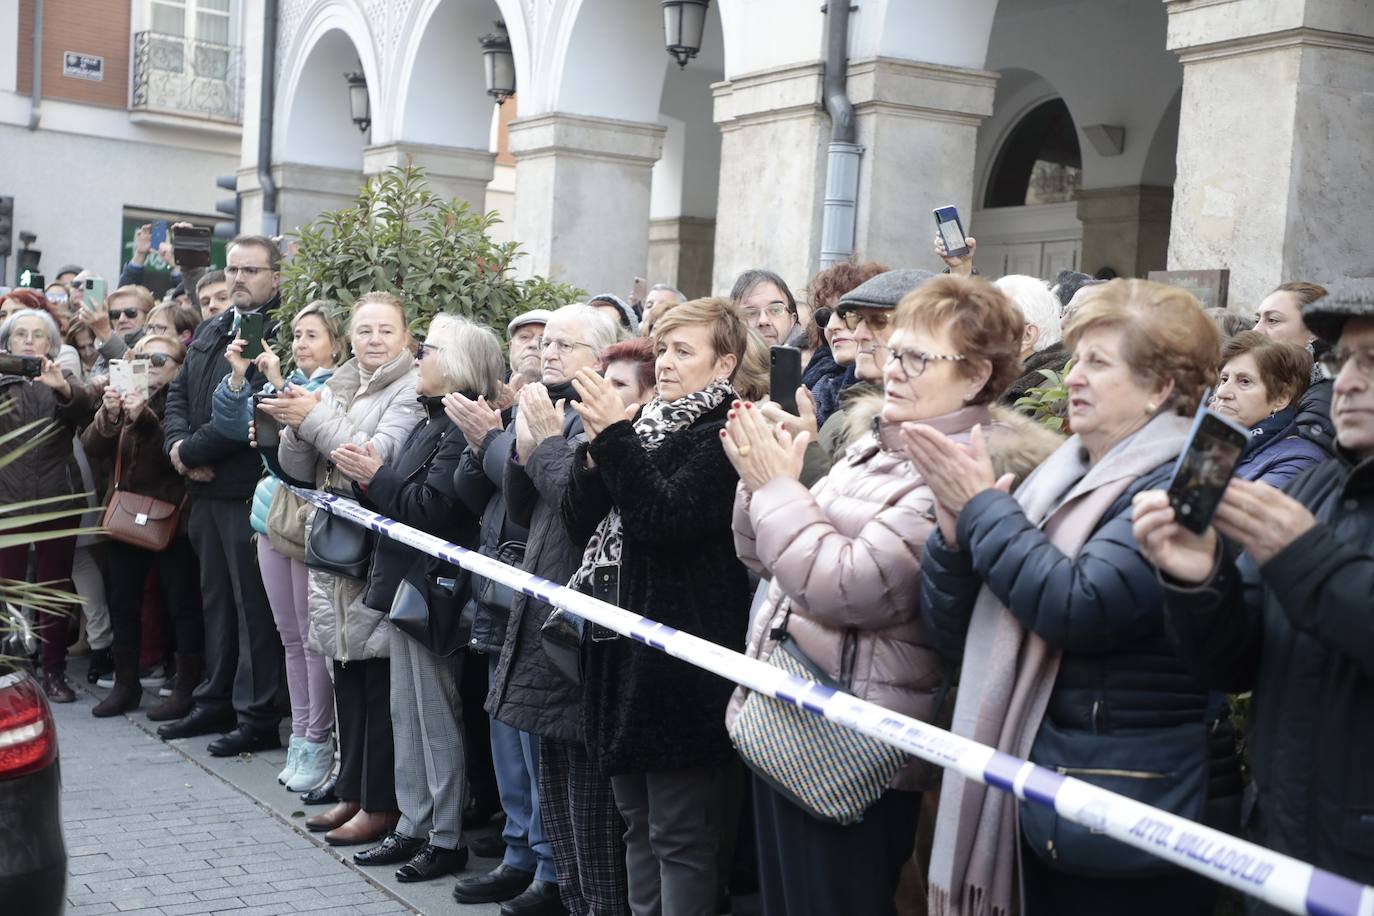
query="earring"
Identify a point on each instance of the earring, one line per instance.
(1151, 408)
(968, 397)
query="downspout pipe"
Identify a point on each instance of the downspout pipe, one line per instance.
(36, 88)
(843, 155)
(266, 107)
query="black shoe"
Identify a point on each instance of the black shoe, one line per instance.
(487, 847)
(320, 795)
(539, 899)
(501, 883)
(101, 665)
(396, 847)
(433, 862)
(168, 687)
(201, 721)
(475, 814)
(243, 740)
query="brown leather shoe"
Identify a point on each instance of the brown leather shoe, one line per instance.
(365, 827)
(336, 816)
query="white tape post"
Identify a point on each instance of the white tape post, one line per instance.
(1279, 880)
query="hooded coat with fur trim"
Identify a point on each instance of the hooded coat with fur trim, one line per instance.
(845, 558)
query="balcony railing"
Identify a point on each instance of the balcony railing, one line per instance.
(184, 76)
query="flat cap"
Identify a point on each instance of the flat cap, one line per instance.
(883, 291)
(533, 316)
(1346, 298)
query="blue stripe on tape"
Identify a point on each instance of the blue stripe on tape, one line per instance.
(1001, 771)
(814, 700)
(1332, 895)
(1043, 785)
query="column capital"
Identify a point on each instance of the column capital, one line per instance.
(448, 161)
(922, 90)
(1213, 29)
(586, 137)
(779, 94)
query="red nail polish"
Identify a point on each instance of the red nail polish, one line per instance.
(748, 405)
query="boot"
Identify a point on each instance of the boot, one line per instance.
(127, 693)
(190, 667)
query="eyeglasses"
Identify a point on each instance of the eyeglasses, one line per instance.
(26, 334)
(249, 272)
(1333, 361)
(876, 319)
(914, 361)
(773, 311)
(127, 313)
(158, 360)
(425, 350)
(56, 298)
(565, 347)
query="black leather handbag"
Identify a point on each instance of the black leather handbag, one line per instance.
(339, 546)
(440, 619)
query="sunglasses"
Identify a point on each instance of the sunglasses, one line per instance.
(158, 360)
(876, 320)
(127, 313)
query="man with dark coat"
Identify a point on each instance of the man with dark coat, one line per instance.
(242, 648)
(1289, 617)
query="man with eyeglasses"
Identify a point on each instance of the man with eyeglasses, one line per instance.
(769, 308)
(1274, 598)
(242, 648)
(867, 311)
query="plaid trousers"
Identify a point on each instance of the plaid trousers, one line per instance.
(583, 824)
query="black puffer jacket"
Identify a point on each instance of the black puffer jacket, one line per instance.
(1314, 415)
(1104, 608)
(645, 710)
(418, 487)
(189, 407)
(527, 692)
(1299, 632)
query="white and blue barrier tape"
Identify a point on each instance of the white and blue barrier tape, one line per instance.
(1277, 879)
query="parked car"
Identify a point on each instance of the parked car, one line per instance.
(33, 855)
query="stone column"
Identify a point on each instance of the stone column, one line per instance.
(452, 173)
(680, 252)
(1126, 229)
(303, 193)
(1274, 177)
(582, 198)
(773, 132)
(918, 124)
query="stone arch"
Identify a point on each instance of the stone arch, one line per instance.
(312, 101)
(440, 92)
(1161, 162)
(609, 60)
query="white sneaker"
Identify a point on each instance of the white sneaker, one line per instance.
(293, 759)
(314, 763)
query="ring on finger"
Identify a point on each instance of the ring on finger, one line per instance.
(744, 450)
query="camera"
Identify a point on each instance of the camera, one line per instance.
(27, 366)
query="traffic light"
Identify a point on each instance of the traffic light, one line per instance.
(229, 206)
(6, 226)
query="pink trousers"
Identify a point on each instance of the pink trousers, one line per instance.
(307, 672)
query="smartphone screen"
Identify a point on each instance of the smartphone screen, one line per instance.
(266, 432)
(1205, 468)
(951, 231)
(159, 234)
(784, 375)
(250, 329)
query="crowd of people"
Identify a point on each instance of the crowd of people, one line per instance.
(915, 532)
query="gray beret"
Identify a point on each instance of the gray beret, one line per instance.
(883, 291)
(1348, 297)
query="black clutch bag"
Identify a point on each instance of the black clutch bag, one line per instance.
(440, 619)
(339, 546)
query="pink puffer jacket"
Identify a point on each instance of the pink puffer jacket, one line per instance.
(846, 555)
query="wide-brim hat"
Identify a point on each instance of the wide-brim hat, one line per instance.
(1346, 298)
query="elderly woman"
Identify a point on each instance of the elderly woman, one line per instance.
(172, 320)
(630, 369)
(1262, 381)
(651, 499)
(831, 369)
(844, 559)
(418, 487)
(369, 402)
(46, 471)
(1059, 622)
(128, 427)
(317, 344)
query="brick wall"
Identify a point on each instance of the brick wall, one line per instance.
(98, 27)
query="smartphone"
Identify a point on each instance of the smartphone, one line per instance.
(30, 280)
(27, 366)
(951, 231)
(266, 430)
(784, 376)
(605, 587)
(191, 246)
(639, 289)
(121, 376)
(1205, 468)
(95, 294)
(159, 234)
(138, 377)
(250, 329)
